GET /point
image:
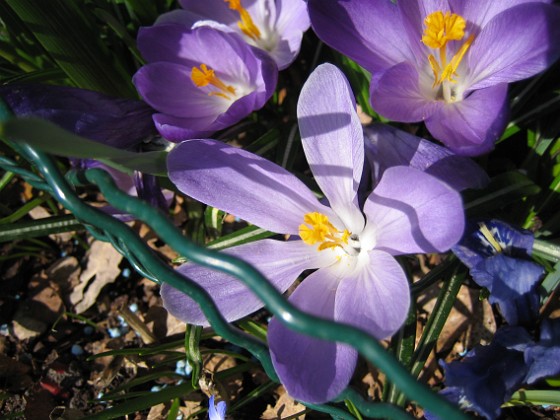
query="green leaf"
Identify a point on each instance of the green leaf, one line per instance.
(52, 139)
(70, 35)
(242, 236)
(535, 397)
(504, 189)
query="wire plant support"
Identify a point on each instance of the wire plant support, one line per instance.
(129, 244)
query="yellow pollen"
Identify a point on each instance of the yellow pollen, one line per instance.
(440, 29)
(246, 24)
(490, 237)
(316, 228)
(205, 76)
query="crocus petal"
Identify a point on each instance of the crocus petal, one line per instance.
(292, 22)
(517, 43)
(242, 184)
(513, 285)
(388, 146)
(544, 362)
(472, 126)
(396, 94)
(368, 31)
(216, 411)
(375, 296)
(487, 377)
(479, 12)
(177, 129)
(178, 96)
(410, 211)
(312, 370)
(280, 262)
(543, 358)
(333, 140)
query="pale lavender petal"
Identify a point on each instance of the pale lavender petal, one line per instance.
(311, 370)
(396, 94)
(517, 43)
(333, 141)
(479, 12)
(472, 126)
(375, 296)
(242, 184)
(291, 22)
(387, 146)
(280, 262)
(368, 31)
(410, 211)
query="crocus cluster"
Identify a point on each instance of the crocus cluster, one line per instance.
(212, 63)
(349, 244)
(446, 62)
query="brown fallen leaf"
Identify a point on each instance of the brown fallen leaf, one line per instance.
(285, 406)
(102, 268)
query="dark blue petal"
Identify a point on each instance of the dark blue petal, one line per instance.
(543, 358)
(487, 377)
(513, 286)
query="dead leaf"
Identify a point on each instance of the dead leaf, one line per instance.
(285, 406)
(103, 268)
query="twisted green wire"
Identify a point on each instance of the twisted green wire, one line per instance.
(275, 302)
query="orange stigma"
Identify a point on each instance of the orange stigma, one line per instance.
(246, 23)
(205, 76)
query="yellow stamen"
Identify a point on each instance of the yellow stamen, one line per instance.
(246, 23)
(316, 228)
(490, 237)
(451, 68)
(440, 29)
(205, 76)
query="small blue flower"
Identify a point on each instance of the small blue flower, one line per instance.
(218, 411)
(498, 257)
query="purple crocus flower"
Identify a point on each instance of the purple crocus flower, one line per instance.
(498, 257)
(216, 411)
(444, 62)
(201, 80)
(275, 26)
(357, 279)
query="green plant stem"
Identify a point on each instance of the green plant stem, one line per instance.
(436, 321)
(546, 250)
(40, 227)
